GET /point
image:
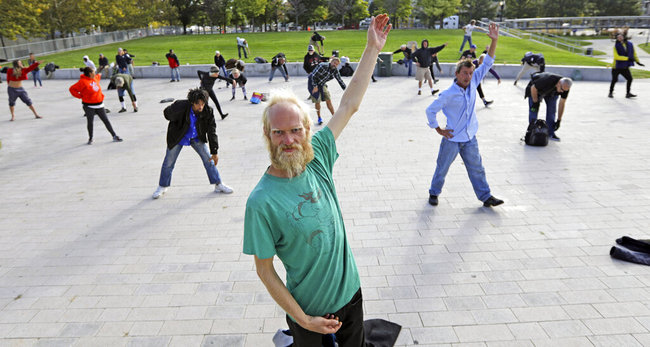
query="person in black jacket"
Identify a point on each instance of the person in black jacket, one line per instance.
(423, 58)
(279, 63)
(207, 83)
(315, 39)
(191, 123)
(220, 62)
(311, 60)
(103, 65)
(408, 59)
(469, 54)
(548, 86)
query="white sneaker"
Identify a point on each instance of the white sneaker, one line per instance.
(159, 191)
(222, 188)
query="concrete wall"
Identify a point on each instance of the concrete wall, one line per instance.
(586, 73)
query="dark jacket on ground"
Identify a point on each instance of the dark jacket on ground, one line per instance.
(178, 115)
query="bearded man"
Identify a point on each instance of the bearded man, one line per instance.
(294, 212)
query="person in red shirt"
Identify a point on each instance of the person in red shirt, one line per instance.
(90, 92)
(15, 78)
(173, 64)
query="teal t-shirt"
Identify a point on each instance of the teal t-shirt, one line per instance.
(300, 220)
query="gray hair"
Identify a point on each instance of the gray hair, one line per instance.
(567, 82)
(119, 82)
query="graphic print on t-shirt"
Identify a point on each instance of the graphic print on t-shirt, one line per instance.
(313, 221)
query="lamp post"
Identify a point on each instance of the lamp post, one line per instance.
(501, 5)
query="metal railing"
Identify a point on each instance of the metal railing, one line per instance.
(551, 40)
(21, 51)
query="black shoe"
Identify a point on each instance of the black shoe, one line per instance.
(90, 141)
(122, 110)
(433, 92)
(515, 83)
(435, 81)
(117, 139)
(492, 201)
(488, 103)
(630, 95)
(223, 116)
(245, 98)
(172, 81)
(610, 95)
(419, 92)
(554, 138)
(135, 109)
(233, 98)
(433, 200)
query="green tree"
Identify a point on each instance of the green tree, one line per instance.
(431, 10)
(186, 11)
(477, 9)
(395, 9)
(252, 9)
(613, 8)
(219, 12)
(355, 10)
(562, 8)
(20, 17)
(297, 8)
(524, 8)
(320, 14)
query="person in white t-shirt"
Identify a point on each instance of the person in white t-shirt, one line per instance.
(468, 34)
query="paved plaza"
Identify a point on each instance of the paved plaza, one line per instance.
(87, 258)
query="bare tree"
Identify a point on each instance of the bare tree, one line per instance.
(298, 8)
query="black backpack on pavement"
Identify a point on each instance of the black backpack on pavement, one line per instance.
(537, 133)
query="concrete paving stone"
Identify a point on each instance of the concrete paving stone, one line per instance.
(478, 333)
(185, 340)
(447, 318)
(614, 340)
(540, 314)
(80, 329)
(526, 331)
(115, 329)
(148, 341)
(643, 339)
(503, 301)
(494, 316)
(36, 330)
(146, 328)
(271, 324)
(224, 340)
(565, 328)
(582, 311)
(221, 326)
(610, 326)
(433, 335)
(18, 342)
(186, 327)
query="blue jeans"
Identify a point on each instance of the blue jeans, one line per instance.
(409, 65)
(273, 68)
(121, 91)
(176, 73)
(123, 69)
(551, 105)
(170, 160)
(242, 48)
(224, 73)
(36, 75)
(473, 163)
(466, 38)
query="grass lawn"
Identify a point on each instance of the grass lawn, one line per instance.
(645, 47)
(199, 49)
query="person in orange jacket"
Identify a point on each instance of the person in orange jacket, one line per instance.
(90, 92)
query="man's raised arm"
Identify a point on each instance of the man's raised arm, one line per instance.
(377, 33)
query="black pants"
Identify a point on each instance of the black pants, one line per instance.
(350, 334)
(625, 73)
(213, 96)
(90, 116)
(480, 91)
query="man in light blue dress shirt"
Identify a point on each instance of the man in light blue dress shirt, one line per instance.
(459, 135)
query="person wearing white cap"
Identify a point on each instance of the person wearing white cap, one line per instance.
(220, 62)
(89, 63)
(312, 59)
